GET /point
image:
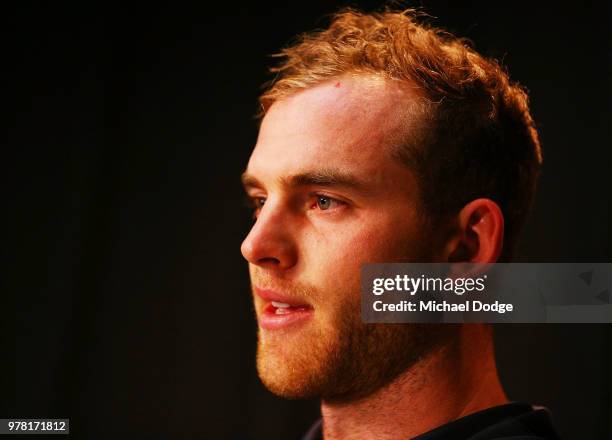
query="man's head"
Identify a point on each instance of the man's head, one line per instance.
(381, 141)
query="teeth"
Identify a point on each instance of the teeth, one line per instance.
(281, 311)
(280, 305)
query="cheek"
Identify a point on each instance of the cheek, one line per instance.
(334, 264)
(333, 255)
(377, 241)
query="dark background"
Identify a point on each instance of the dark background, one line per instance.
(128, 302)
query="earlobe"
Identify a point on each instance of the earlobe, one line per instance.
(480, 235)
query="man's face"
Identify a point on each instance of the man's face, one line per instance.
(330, 197)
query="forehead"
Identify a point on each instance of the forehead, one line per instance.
(348, 123)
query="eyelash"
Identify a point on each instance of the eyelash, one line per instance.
(254, 202)
(324, 196)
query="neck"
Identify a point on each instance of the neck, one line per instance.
(446, 385)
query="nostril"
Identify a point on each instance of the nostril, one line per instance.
(269, 261)
(269, 245)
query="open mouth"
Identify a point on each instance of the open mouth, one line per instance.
(281, 311)
(278, 315)
(280, 308)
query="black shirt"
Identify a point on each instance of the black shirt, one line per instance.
(516, 421)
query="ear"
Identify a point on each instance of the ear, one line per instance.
(480, 234)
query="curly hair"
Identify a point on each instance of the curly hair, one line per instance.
(476, 136)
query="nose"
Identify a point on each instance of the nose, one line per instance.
(271, 243)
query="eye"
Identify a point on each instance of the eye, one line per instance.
(324, 203)
(255, 204)
(258, 202)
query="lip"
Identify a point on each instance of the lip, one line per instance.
(268, 319)
(270, 295)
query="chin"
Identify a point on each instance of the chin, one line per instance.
(294, 370)
(284, 380)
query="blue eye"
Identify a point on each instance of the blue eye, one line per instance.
(324, 203)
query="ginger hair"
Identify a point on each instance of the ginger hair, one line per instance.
(476, 136)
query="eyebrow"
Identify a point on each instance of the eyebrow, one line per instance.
(327, 177)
